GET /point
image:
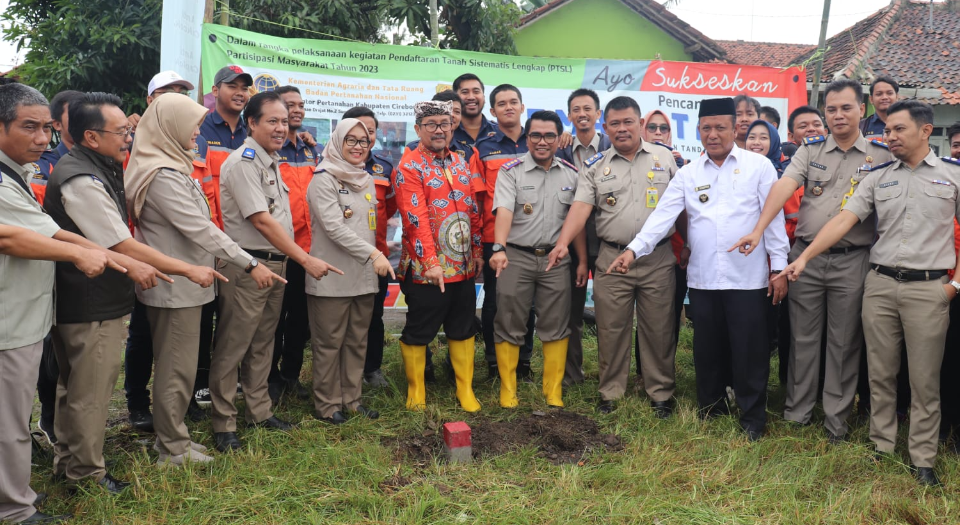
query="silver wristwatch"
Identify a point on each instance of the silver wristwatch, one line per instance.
(955, 285)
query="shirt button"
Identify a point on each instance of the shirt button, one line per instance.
(904, 241)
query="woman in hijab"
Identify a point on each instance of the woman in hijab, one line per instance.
(763, 138)
(656, 128)
(172, 215)
(343, 208)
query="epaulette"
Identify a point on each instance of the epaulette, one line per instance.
(512, 164)
(889, 162)
(569, 165)
(249, 153)
(878, 142)
(593, 160)
(951, 160)
(809, 141)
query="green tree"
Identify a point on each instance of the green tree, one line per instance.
(353, 19)
(471, 25)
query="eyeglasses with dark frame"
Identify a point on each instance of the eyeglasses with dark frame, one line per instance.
(549, 138)
(351, 142)
(432, 126)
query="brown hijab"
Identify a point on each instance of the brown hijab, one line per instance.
(334, 162)
(163, 141)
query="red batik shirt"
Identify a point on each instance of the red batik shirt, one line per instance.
(441, 220)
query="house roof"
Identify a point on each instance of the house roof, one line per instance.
(769, 54)
(696, 43)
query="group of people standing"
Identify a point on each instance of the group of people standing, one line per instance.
(296, 244)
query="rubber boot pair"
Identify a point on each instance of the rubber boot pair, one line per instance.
(414, 363)
(554, 363)
(461, 356)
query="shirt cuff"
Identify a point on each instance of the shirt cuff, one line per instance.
(778, 263)
(637, 247)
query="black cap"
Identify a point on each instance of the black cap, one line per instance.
(717, 106)
(231, 73)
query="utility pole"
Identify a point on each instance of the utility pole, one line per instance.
(821, 50)
(225, 12)
(434, 24)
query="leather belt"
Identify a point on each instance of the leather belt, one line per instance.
(621, 247)
(908, 275)
(539, 251)
(837, 251)
(266, 256)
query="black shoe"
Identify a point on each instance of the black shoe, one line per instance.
(606, 407)
(275, 391)
(336, 419)
(226, 441)
(194, 412)
(926, 476)
(367, 412)
(524, 373)
(753, 435)
(274, 423)
(39, 517)
(834, 439)
(429, 373)
(112, 485)
(662, 409)
(141, 420)
(296, 388)
(41, 497)
(45, 424)
(493, 373)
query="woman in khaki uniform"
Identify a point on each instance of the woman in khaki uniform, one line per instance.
(172, 215)
(343, 208)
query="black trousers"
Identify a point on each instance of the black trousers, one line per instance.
(730, 347)
(428, 309)
(293, 329)
(47, 380)
(375, 334)
(949, 373)
(489, 312)
(207, 314)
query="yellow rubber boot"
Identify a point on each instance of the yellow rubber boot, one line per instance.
(554, 363)
(414, 362)
(461, 357)
(508, 355)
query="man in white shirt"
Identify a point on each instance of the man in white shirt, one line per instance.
(723, 193)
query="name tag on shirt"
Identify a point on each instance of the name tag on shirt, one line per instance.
(820, 166)
(888, 184)
(608, 177)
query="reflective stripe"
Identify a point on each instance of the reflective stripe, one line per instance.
(791, 215)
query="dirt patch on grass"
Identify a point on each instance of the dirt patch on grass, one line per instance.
(559, 437)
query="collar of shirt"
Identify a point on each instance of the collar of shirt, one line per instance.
(594, 142)
(502, 138)
(428, 153)
(930, 159)
(861, 143)
(268, 160)
(645, 147)
(101, 161)
(705, 158)
(61, 149)
(24, 170)
(530, 164)
(218, 120)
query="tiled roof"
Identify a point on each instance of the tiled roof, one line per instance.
(768, 54)
(702, 48)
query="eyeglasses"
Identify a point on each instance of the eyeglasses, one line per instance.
(432, 126)
(664, 128)
(351, 142)
(126, 131)
(549, 138)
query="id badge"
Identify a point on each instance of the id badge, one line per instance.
(653, 197)
(372, 219)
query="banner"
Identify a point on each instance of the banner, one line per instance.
(336, 76)
(180, 38)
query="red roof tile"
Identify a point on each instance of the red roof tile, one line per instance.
(768, 54)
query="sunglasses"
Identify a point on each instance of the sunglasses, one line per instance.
(664, 128)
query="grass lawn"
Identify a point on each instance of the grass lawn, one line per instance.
(678, 471)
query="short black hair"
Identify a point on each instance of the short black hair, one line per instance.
(920, 112)
(749, 100)
(622, 102)
(87, 113)
(463, 78)
(61, 99)
(953, 130)
(844, 83)
(547, 116)
(12, 96)
(254, 109)
(583, 92)
(283, 90)
(772, 113)
(449, 95)
(886, 79)
(802, 110)
(361, 111)
(500, 89)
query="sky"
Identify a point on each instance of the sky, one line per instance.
(795, 22)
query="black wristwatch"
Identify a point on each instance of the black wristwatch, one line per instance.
(253, 264)
(497, 247)
(775, 271)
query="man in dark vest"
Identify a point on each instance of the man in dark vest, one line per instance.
(85, 196)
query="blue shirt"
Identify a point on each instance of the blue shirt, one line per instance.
(872, 127)
(50, 158)
(464, 142)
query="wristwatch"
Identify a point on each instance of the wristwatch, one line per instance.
(497, 247)
(775, 271)
(253, 264)
(955, 285)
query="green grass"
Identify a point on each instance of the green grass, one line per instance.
(679, 471)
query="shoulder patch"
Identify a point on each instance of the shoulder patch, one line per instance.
(35, 167)
(951, 160)
(593, 160)
(512, 164)
(249, 153)
(567, 164)
(814, 140)
(878, 142)
(889, 162)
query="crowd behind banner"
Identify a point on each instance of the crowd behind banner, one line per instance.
(230, 238)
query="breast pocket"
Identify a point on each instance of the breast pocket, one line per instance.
(566, 199)
(888, 202)
(818, 177)
(610, 194)
(941, 201)
(528, 203)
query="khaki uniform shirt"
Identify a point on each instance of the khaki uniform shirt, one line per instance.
(582, 152)
(825, 166)
(88, 204)
(538, 199)
(620, 189)
(915, 213)
(345, 242)
(175, 220)
(26, 286)
(250, 183)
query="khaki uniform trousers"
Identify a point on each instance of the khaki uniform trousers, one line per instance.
(176, 335)
(829, 294)
(649, 287)
(245, 336)
(338, 341)
(89, 356)
(915, 314)
(524, 283)
(19, 368)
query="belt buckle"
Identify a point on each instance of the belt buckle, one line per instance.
(899, 276)
(539, 252)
